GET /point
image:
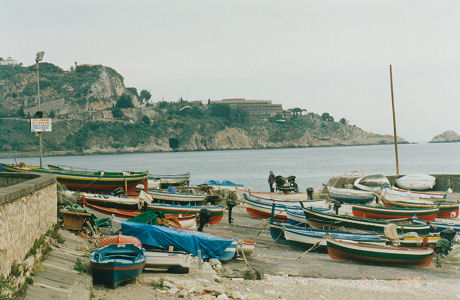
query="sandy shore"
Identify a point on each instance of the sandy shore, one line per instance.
(314, 275)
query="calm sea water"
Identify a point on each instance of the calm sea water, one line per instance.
(312, 166)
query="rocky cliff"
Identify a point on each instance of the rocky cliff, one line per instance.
(93, 112)
(449, 136)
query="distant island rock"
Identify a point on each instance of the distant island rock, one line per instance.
(449, 136)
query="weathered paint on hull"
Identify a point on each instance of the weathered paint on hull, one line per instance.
(373, 256)
(376, 213)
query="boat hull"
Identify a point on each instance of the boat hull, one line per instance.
(418, 257)
(349, 195)
(112, 265)
(447, 210)
(372, 212)
(217, 213)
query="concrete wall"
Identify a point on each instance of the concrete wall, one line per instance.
(28, 207)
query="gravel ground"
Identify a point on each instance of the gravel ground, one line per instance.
(315, 275)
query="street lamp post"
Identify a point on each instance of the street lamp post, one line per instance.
(39, 113)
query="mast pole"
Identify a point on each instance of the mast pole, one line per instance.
(394, 121)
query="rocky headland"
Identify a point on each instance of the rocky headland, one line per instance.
(94, 112)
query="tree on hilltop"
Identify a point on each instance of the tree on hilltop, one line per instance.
(145, 95)
(326, 117)
(124, 101)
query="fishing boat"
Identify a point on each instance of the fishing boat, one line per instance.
(117, 263)
(372, 182)
(173, 261)
(119, 239)
(293, 197)
(210, 246)
(419, 182)
(393, 195)
(177, 198)
(391, 255)
(439, 226)
(89, 181)
(185, 221)
(423, 195)
(378, 212)
(171, 179)
(318, 219)
(447, 210)
(111, 201)
(297, 216)
(349, 195)
(217, 212)
(258, 207)
(311, 236)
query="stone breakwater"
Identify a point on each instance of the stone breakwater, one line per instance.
(27, 211)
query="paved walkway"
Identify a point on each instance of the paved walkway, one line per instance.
(56, 278)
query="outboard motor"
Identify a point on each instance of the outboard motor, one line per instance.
(205, 217)
(444, 245)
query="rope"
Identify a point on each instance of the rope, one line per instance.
(315, 246)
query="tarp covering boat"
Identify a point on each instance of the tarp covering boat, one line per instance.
(211, 246)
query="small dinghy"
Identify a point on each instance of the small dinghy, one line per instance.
(117, 263)
(418, 182)
(372, 182)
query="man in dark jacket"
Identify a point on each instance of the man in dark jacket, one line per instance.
(271, 181)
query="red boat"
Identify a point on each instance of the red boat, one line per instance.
(375, 212)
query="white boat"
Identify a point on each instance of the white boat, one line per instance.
(349, 195)
(172, 261)
(372, 182)
(172, 179)
(177, 198)
(418, 182)
(396, 196)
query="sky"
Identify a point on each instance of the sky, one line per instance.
(324, 56)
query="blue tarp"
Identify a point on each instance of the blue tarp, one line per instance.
(211, 246)
(171, 189)
(223, 183)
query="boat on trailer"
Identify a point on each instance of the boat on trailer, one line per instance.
(388, 255)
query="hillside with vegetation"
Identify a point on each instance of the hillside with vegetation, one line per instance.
(93, 112)
(449, 136)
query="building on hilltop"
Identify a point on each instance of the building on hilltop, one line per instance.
(256, 108)
(9, 62)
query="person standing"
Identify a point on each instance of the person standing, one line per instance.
(271, 181)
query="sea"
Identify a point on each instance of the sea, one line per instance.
(312, 166)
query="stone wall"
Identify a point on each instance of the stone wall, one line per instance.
(27, 211)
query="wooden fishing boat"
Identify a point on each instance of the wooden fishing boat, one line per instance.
(419, 182)
(423, 195)
(372, 182)
(349, 195)
(177, 198)
(393, 195)
(261, 208)
(217, 212)
(185, 221)
(439, 226)
(392, 255)
(378, 212)
(311, 236)
(117, 263)
(447, 210)
(89, 181)
(173, 261)
(171, 179)
(111, 201)
(297, 216)
(318, 219)
(293, 197)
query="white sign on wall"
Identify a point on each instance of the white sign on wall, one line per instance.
(40, 125)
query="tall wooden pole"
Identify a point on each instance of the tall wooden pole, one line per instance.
(394, 122)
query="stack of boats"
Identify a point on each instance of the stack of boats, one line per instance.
(388, 225)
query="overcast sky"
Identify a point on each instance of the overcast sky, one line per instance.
(325, 56)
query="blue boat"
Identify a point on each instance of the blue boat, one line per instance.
(438, 226)
(297, 217)
(189, 241)
(116, 263)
